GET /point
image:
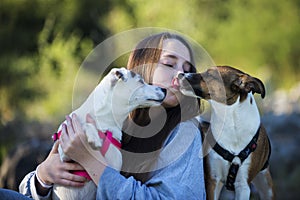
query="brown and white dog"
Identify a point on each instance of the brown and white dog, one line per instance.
(120, 92)
(240, 145)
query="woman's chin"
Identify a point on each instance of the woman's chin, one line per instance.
(170, 101)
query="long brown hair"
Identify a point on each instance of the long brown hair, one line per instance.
(143, 60)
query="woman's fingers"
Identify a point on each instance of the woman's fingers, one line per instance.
(52, 170)
(73, 139)
(54, 148)
(64, 175)
(72, 166)
(64, 134)
(66, 139)
(70, 179)
(70, 183)
(73, 177)
(70, 128)
(76, 124)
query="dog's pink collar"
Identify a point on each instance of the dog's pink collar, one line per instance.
(107, 140)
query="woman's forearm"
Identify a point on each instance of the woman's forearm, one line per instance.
(94, 167)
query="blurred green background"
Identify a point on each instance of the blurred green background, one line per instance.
(44, 42)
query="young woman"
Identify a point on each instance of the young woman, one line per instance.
(161, 146)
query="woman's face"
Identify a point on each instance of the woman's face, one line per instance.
(175, 58)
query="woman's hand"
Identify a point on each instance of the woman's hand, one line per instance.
(74, 144)
(53, 171)
(74, 141)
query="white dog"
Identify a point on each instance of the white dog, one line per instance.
(119, 93)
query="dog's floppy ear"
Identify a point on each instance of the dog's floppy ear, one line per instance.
(121, 73)
(118, 74)
(246, 84)
(259, 87)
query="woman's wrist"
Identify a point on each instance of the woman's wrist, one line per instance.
(41, 187)
(43, 183)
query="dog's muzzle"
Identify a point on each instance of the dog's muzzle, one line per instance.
(163, 93)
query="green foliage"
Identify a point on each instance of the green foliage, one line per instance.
(43, 42)
(258, 36)
(42, 46)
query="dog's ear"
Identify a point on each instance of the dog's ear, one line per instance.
(259, 87)
(122, 74)
(118, 74)
(246, 84)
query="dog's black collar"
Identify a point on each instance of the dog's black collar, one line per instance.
(227, 155)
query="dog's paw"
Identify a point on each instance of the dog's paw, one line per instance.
(92, 136)
(95, 144)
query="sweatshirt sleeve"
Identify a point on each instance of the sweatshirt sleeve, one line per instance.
(27, 188)
(179, 174)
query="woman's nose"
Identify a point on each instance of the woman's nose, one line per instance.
(180, 68)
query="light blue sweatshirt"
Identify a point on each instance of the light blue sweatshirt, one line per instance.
(179, 173)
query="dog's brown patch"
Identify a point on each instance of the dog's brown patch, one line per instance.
(261, 155)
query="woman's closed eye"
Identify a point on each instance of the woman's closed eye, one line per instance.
(168, 60)
(168, 65)
(173, 62)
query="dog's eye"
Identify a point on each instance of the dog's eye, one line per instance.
(188, 67)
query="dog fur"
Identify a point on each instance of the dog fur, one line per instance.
(234, 121)
(119, 93)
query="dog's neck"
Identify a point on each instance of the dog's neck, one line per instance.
(107, 117)
(233, 126)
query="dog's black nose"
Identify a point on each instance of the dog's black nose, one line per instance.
(180, 75)
(164, 91)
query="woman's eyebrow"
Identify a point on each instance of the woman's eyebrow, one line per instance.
(170, 56)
